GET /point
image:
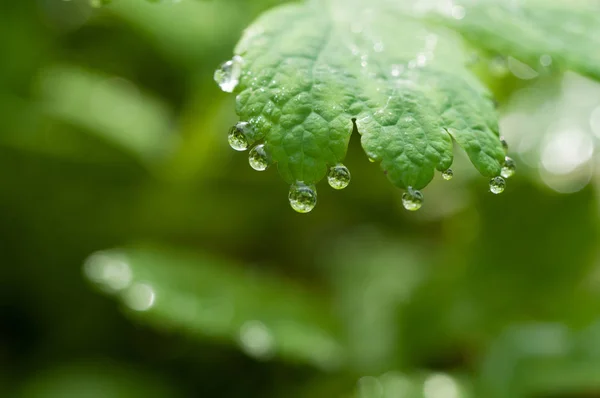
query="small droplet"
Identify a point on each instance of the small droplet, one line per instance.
(504, 144)
(228, 75)
(497, 185)
(338, 176)
(412, 200)
(498, 67)
(447, 174)
(509, 168)
(546, 60)
(303, 198)
(258, 158)
(237, 136)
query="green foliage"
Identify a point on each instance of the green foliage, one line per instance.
(313, 73)
(208, 297)
(114, 136)
(566, 32)
(312, 70)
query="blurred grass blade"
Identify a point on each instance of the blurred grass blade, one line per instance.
(207, 297)
(110, 107)
(186, 31)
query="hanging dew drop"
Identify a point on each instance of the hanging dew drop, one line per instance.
(504, 144)
(228, 75)
(497, 185)
(338, 176)
(258, 158)
(412, 200)
(509, 168)
(447, 174)
(303, 198)
(237, 136)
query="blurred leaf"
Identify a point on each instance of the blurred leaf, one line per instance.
(531, 360)
(95, 378)
(373, 278)
(310, 71)
(109, 107)
(398, 385)
(188, 31)
(206, 297)
(532, 30)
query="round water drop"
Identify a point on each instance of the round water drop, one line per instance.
(497, 185)
(338, 177)
(447, 174)
(504, 144)
(259, 158)
(509, 168)
(303, 198)
(412, 200)
(237, 136)
(228, 75)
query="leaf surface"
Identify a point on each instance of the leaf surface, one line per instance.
(313, 71)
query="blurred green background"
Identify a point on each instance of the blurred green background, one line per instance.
(142, 257)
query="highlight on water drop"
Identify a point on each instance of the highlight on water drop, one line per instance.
(228, 75)
(238, 136)
(412, 200)
(258, 158)
(303, 198)
(497, 185)
(447, 174)
(509, 168)
(338, 176)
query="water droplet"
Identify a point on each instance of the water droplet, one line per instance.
(458, 12)
(447, 174)
(228, 75)
(338, 177)
(504, 144)
(509, 168)
(412, 200)
(258, 158)
(546, 60)
(140, 297)
(109, 270)
(237, 136)
(256, 339)
(497, 185)
(498, 67)
(303, 198)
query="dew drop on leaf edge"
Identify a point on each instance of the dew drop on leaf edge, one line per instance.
(497, 185)
(412, 200)
(508, 168)
(338, 176)
(258, 158)
(447, 174)
(228, 75)
(302, 197)
(237, 136)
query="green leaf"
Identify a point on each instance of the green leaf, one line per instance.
(207, 297)
(311, 70)
(567, 31)
(111, 108)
